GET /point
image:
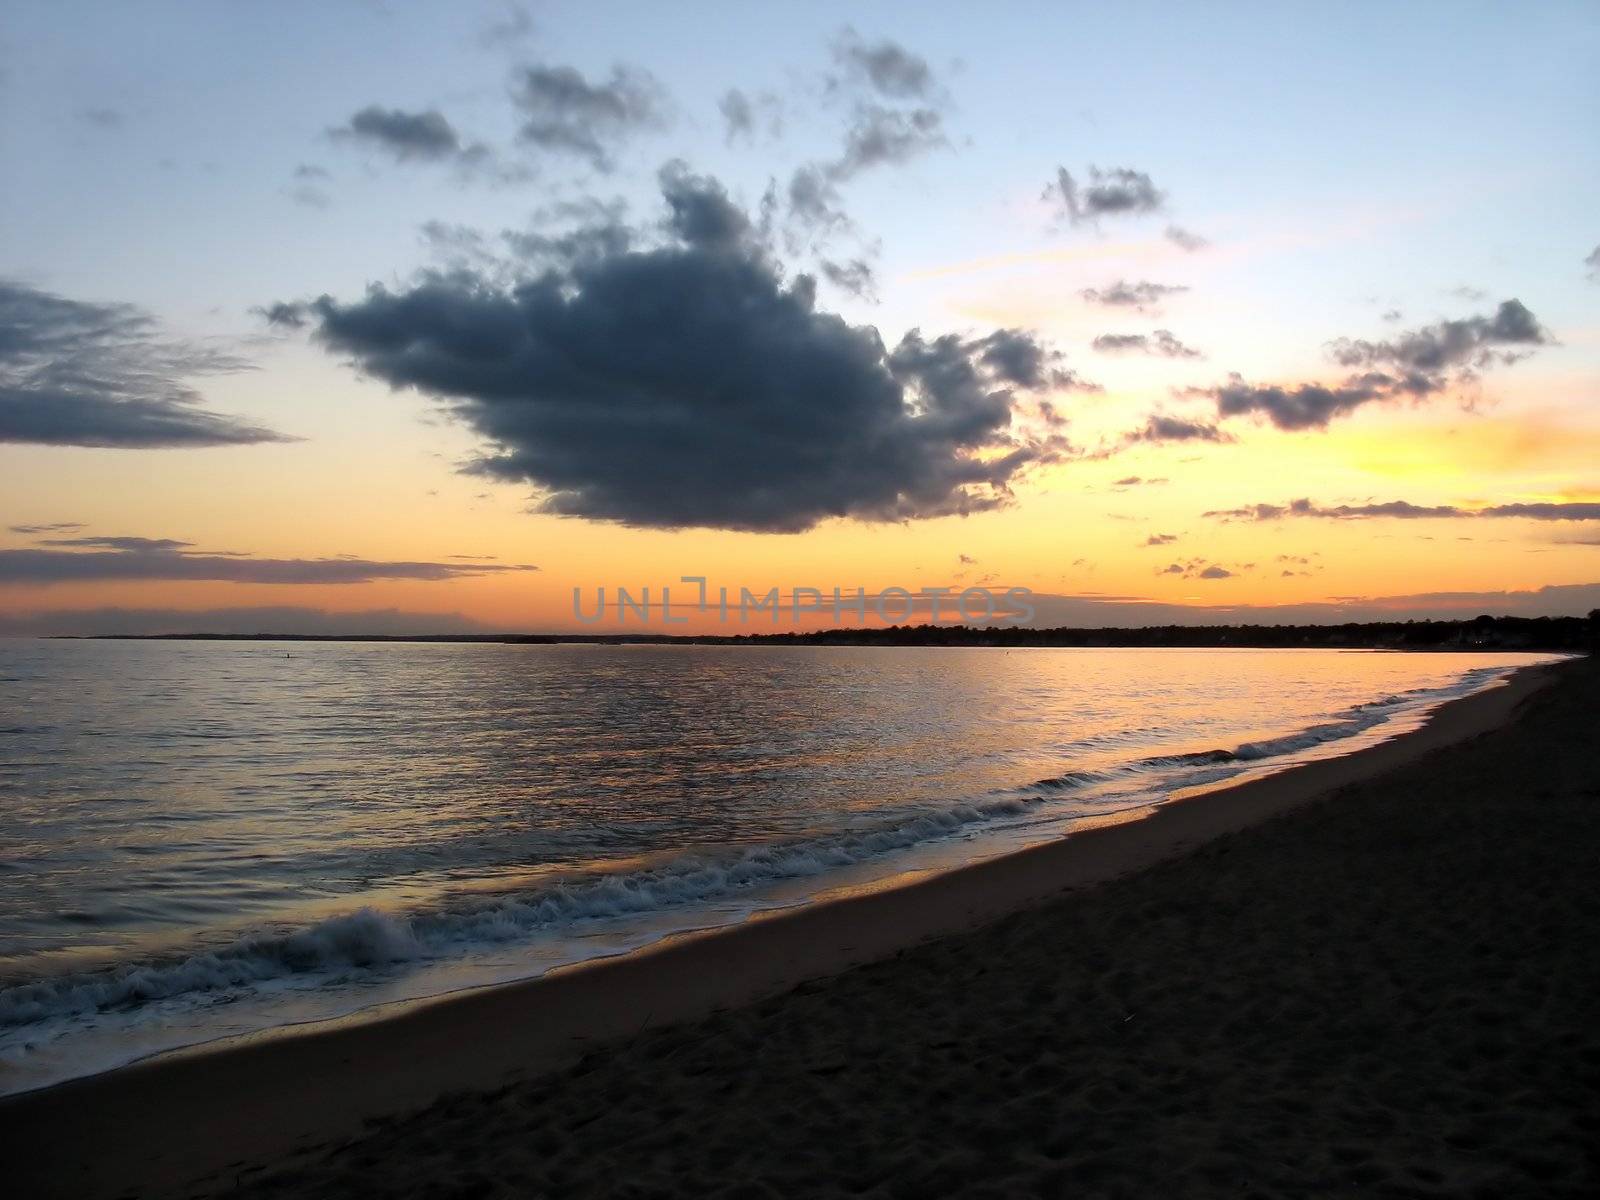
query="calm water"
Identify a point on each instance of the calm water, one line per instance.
(202, 840)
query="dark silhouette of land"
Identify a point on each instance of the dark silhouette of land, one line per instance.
(1575, 634)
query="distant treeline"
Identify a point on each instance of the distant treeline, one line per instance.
(1480, 633)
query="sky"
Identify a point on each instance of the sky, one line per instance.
(423, 318)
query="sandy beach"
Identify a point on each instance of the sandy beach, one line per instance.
(1392, 992)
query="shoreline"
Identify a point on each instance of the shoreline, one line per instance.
(157, 1124)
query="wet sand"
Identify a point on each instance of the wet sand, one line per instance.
(1393, 992)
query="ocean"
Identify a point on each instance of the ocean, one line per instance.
(202, 841)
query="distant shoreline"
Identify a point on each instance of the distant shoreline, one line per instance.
(1571, 634)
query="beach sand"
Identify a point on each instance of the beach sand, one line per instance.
(1392, 992)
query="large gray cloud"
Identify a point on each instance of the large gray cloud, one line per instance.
(1161, 344)
(74, 373)
(562, 111)
(690, 384)
(1113, 192)
(1405, 510)
(102, 559)
(1414, 365)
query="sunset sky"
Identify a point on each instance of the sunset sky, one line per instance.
(392, 317)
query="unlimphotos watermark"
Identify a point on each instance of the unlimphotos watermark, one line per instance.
(890, 605)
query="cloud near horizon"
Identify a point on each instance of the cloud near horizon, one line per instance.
(105, 559)
(1404, 510)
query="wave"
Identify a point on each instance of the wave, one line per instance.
(1356, 719)
(366, 943)
(367, 940)
(1073, 779)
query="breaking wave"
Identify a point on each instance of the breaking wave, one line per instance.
(368, 940)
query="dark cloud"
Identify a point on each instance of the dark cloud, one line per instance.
(854, 276)
(1197, 568)
(1022, 360)
(1305, 406)
(1593, 263)
(690, 384)
(1161, 344)
(1470, 343)
(699, 213)
(131, 558)
(880, 136)
(1142, 295)
(814, 203)
(82, 374)
(407, 136)
(895, 116)
(552, 242)
(561, 111)
(57, 527)
(1185, 240)
(1115, 192)
(1137, 481)
(1404, 510)
(560, 251)
(1414, 365)
(1160, 539)
(746, 117)
(118, 543)
(1162, 428)
(1544, 512)
(884, 66)
(283, 316)
(292, 620)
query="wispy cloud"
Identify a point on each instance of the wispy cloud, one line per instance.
(1405, 511)
(104, 559)
(75, 373)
